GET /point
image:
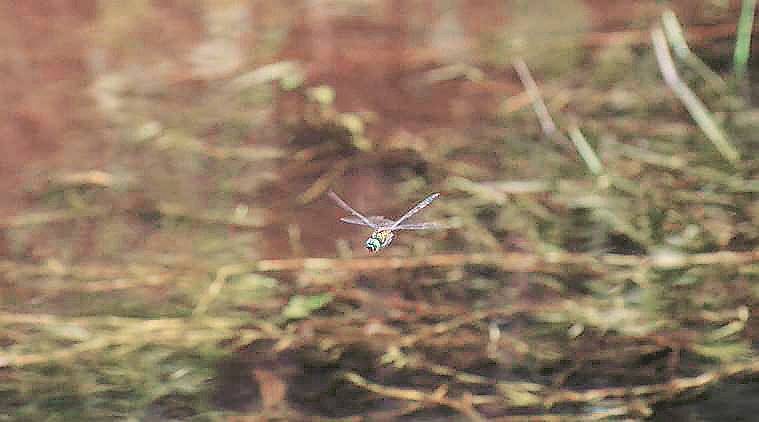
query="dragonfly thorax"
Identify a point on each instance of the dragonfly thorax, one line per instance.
(379, 239)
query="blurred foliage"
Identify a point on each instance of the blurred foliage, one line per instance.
(189, 269)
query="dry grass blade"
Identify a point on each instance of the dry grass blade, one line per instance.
(692, 103)
(669, 389)
(544, 117)
(513, 262)
(586, 151)
(464, 405)
(31, 219)
(676, 37)
(516, 262)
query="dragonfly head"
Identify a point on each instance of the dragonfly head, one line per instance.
(373, 244)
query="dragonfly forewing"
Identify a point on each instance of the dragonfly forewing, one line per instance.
(418, 207)
(376, 220)
(342, 204)
(420, 226)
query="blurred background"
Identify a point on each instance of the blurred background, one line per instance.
(167, 251)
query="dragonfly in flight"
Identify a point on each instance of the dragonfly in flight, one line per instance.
(384, 228)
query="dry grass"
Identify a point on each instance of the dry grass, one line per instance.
(601, 263)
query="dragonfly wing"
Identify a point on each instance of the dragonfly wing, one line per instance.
(381, 221)
(353, 220)
(377, 221)
(419, 226)
(348, 208)
(418, 207)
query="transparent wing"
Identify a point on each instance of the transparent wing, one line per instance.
(348, 208)
(420, 226)
(377, 220)
(428, 200)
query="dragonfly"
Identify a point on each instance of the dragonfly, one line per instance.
(384, 228)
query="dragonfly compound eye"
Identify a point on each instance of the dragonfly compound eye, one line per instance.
(372, 244)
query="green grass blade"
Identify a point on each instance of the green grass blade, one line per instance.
(586, 151)
(743, 39)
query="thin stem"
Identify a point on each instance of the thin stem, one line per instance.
(692, 103)
(743, 39)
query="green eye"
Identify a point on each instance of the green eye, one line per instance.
(372, 244)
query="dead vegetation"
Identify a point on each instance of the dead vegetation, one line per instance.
(602, 263)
